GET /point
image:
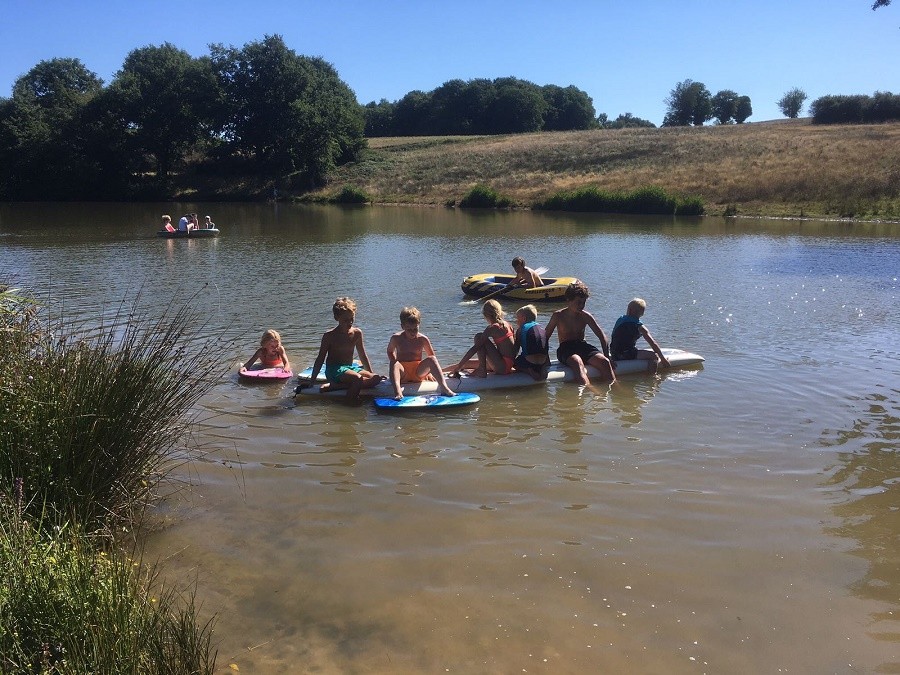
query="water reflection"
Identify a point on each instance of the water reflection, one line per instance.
(869, 476)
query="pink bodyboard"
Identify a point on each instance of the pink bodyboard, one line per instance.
(258, 373)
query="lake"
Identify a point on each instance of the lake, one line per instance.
(743, 516)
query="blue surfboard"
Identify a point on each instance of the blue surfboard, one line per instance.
(427, 401)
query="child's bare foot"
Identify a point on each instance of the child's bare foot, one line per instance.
(449, 392)
(325, 386)
(479, 372)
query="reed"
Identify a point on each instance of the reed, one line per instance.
(784, 168)
(93, 418)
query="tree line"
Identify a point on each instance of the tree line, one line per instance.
(506, 105)
(260, 110)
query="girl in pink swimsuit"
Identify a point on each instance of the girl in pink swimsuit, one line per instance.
(494, 346)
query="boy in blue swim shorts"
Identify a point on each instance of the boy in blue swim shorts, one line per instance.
(337, 350)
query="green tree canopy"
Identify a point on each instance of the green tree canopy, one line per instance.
(290, 113)
(165, 99)
(724, 106)
(43, 148)
(688, 103)
(792, 102)
(743, 109)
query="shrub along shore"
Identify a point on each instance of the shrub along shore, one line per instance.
(91, 423)
(787, 168)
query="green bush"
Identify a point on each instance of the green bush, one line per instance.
(351, 195)
(68, 607)
(646, 200)
(92, 420)
(484, 197)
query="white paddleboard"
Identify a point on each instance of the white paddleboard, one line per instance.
(678, 358)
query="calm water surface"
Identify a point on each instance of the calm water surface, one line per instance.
(740, 517)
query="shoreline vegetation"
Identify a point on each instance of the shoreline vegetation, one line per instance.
(781, 169)
(93, 420)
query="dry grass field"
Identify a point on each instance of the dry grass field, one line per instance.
(782, 168)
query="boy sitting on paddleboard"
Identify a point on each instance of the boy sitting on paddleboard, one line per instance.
(411, 356)
(573, 351)
(336, 352)
(270, 353)
(525, 276)
(627, 331)
(532, 339)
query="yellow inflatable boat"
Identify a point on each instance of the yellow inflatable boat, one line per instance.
(480, 285)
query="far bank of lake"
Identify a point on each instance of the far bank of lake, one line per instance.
(787, 168)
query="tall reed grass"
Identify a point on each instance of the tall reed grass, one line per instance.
(92, 418)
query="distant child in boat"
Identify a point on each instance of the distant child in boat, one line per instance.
(573, 351)
(208, 224)
(531, 338)
(167, 223)
(497, 356)
(337, 351)
(270, 353)
(627, 331)
(525, 276)
(411, 356)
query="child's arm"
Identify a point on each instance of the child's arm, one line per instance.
(320, 358)
(361, 350)
(252, 359)
(284, 358)
(392, 351)
(551, 326)
(427, 349)
(592, 322)
(650, 341)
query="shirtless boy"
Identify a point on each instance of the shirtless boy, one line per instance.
(412, 357)
(336, 352)
(525, 276)
(573, 350)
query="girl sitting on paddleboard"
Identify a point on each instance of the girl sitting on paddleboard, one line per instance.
(497, 356)
(270, 353)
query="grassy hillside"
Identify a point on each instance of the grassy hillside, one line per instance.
(785, 168)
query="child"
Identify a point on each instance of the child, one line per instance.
(496, 356)
(270, 353)
(336, 352)
(573, 351)
(405, 353)
(627, 331)
(525, 276)
(532, 339)
(167, 223)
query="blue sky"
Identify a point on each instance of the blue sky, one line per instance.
(626, 55)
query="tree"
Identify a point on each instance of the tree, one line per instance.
(743, 109)
(792, 102)
(688, 103)
(44, 153)
(165, 99)
(567, 108)
(724, 106)
(880, 3)
(518, 108)
(629, 121)
(291, 114)
(379, 118)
